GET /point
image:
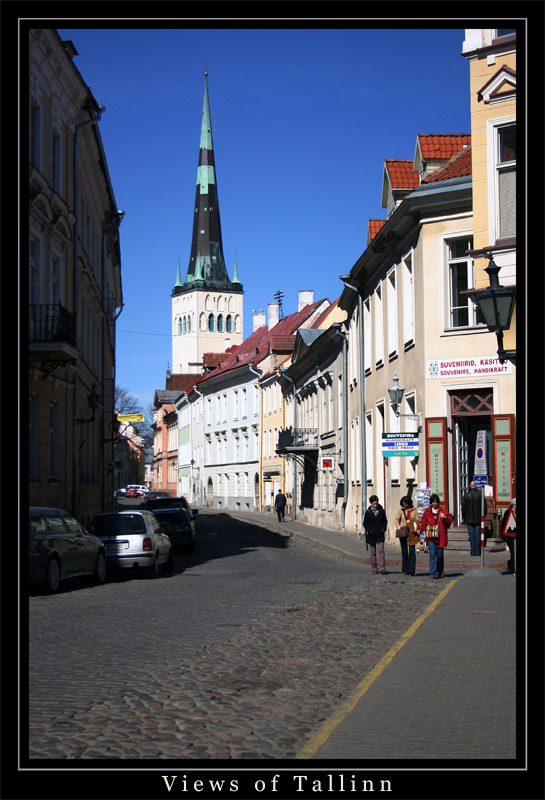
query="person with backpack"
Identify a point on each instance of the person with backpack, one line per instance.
(374, 525)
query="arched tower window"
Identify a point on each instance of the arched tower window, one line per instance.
(189, 324)
(210, 322)
(237, 323)
(220, 323)
(179, 326)
(185, 325)
(229, 323)
(202, 321)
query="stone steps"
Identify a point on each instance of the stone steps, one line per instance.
(458, 540)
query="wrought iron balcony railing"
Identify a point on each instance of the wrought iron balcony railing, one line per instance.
(297, 438)
(51, 323)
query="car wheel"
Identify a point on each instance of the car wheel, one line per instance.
(99, 575)
(154, 569)
(168, 566)
(52, 575)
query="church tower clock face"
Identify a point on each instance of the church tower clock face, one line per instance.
(207, 308)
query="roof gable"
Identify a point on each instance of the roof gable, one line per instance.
(456, 167)
(502, 86)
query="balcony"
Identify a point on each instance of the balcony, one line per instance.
(296, 440)
(52, 336)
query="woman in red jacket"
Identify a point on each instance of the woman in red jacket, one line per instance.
(436, 518)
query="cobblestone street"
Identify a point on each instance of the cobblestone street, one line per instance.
(241, 654)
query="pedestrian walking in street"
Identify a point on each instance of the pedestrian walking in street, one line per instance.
(435, 522)
(471, 516)
(406, 523)
(510, 538)
(280, 505)
(374, 525)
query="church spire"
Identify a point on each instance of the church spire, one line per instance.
(206, 262)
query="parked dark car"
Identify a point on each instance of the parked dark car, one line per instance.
(178, 527)
(152, 495)
(61, 548)
(172, 502)
(133, 540)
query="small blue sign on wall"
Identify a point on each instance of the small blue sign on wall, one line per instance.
(480, 480)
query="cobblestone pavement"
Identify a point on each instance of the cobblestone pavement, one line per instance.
(241, 654)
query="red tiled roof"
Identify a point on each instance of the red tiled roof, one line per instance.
(456, 167)
(282, 344)
(374, 226)
(212, 360)
(181, 381)
(255, 348)
(442, 145)
(401, 174)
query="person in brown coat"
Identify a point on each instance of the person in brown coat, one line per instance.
(407, 516)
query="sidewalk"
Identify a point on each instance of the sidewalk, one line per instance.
(348, 545)
(446, 690)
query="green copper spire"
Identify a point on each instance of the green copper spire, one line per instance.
(236, 279)
(206, 261)
(178, 276)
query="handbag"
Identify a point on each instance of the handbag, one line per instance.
(432, 531)
(405, 530)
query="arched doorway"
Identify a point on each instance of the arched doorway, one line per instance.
(210, 493)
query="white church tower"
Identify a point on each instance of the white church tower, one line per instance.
(207, 309)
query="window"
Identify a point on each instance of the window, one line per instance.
(463, 312)
(229, 324)
(408, 300)
(506, 164)
(34, 271)
(56, 162)
(220, 323)
(210, 322)
(391, 313)
(53, 442)
(35, 136)
(369, 470)
(367, 336)
(379, 328)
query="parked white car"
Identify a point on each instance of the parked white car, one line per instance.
(133, 540)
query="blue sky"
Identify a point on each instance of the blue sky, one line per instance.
(302, 122)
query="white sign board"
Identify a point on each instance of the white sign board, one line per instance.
(462, 367)
(400, 444)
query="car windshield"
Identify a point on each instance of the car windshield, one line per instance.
(119, 524)
(169, 516)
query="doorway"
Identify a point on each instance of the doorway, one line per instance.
(471, 413)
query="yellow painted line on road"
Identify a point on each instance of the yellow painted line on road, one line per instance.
(314, 744)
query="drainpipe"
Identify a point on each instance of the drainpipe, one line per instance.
(202, 501)
(345, 418)
(362, 399)
(105, 311)
(75, 303)
(287, 377)
(256, 372)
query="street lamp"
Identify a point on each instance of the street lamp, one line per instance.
(496, 304)
(396, 396)
(93, 399)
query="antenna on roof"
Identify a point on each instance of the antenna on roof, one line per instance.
(279, 296)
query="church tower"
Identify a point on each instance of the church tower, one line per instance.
(207, 308)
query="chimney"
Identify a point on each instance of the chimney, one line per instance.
(259, 320)
(274, 314)
(306, 297)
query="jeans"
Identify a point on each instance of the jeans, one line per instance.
(381, 561)
(437, 559)
(408, 557)
(474, 532)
